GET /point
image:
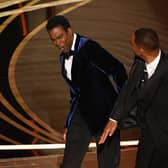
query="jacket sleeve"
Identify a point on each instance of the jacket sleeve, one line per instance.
(100, 57)
(125, 108)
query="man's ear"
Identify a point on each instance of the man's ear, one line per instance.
(142, 50)
(69, 30)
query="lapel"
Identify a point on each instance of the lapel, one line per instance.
(74, 63)
(63, 71)
(153, 84)
(150, 88)
(78, 59)
(134, 76)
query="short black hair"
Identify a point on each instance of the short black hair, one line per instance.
(58, 20)
(147, 38)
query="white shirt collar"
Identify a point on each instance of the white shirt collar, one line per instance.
(151, 67)
(68, 62)
(74, 41)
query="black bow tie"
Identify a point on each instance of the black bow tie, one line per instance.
(68, 54)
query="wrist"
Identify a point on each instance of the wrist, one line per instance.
(111, 119)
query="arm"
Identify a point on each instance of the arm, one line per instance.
(114, 119)
(103, 60)
(123, 109)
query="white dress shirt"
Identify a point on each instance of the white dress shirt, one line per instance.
(151, 67)
(68, 62)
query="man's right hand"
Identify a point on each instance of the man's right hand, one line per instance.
(108, 131)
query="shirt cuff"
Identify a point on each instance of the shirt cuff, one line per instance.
(113, 120)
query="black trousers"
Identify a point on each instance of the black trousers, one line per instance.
(145, 151)
(78, 139)
(148, 156)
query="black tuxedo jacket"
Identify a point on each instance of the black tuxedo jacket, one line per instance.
(91, 90)
(153, 102)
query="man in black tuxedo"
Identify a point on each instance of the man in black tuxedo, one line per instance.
(94, 78)
(144, 102)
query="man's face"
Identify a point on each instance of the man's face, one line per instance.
(62, 39)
